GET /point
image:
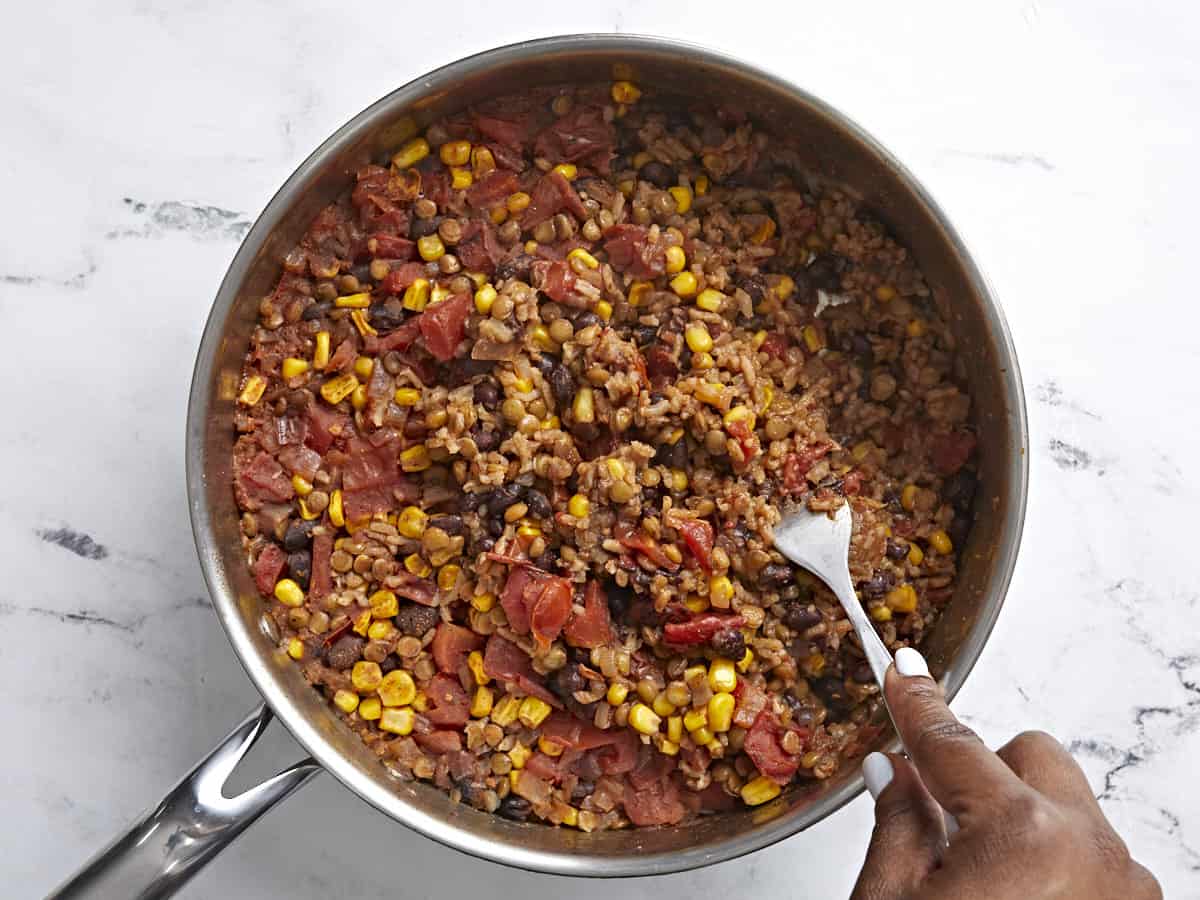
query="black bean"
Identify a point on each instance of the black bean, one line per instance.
(862, 673)
(959, 490)
(482, 544)
(672, 455)
(960, 527)
(896, 549)
(754, 323)
(619, 599)
(516, 266)
(755, 286)
(318, 310)
(658, 174)
(300, 567)
(470, 502)
(420, 228)
(878, 584)
(471, 793)
(799, 617)
(298, 534)
(539, 506)
(562, 386)
(487, 393)
(464, 369)
(515, 808)
(485, 440)
(585, 319)
(344, 652)
(832, 690)
(503, 497)
(387, 317)
(545, 363)
(582, 790)
(730, 643)
(415, 619)
(587, 432)
(547, 561)
(495, 527)
(775, 576)
(450, 524)
(645, 335)
(741, 533)
(826, 272)
(566, 681)
(390, 663)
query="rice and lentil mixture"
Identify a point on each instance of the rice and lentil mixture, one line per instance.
(515, 426)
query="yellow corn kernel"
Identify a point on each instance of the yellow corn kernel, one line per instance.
(740, 414)
(550, 423)
(881, 614)
(346, 701)
(482, 161)
(420, 702)
(252, 391)
(542, 340)
(712, 394)
(861, 450)
(528, 530)
(415, 459)
(702, 362)
(902, 599)
(760, 338)
(695, 719)
(662, 706)
(720, 712)
(448, 577)
(676, 259)
(679, 480)
(916, 555)
(701, 185)
(702, 736)
(759, 791)
(288, 592)
(484, 602)
(643, 719)
(370, 709)
(746, 661)
(625, 92)
(366, 676)
(397, 688)
(722, 677)
(460, 178)
(784, 287)
(415, 564)
(292, 367)
(720, 591)
(384, 604)
(550, 748)
(438, 293)
(579, 506)
(416, 295)
(363, 622)
(640, 159)
(517, 202)
(353, 301)
(638, 291)
(411, 522)
(940, 541)
(358, 398)
(604, 310)
(505, 712)
(411, 153)
(363, 367)
(301, 485)
(305, 513)
(295, 648)
(484, 298)
(915, 328)
(321, 353)
(908, 497)
(697, 337)
(475, 664)
(398, 721)
(519, 754)
(684, 285)
(481, 703)
(617, 692)
(584, 405)
(683, 198)
(430, 247)
(763, 232)
(584, 257)
(696, 603)
(616, 468)
(533, 712)
(884, 293)
(338, 388)
(455, 153)
(381, 631)
(814, 664)
(675, 729)
(570, 818)
(407, 396)
(567, 171)
(709, 300)
(669, 747)
(813, 339)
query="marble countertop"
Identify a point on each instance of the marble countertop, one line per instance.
(141, 139)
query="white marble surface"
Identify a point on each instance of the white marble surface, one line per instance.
(141, 137)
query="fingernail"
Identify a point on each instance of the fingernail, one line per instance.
(910, 663)
(878, 773)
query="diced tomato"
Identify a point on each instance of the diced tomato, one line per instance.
(740, 431)
(852, 483)
(699, 629)
(549, 610)
(401, 277)
(621, 755)
(571, 733)
(796, 466)
(775, 345)
(442, 325)
(581, 136)
(545, 767)
(414, 588)
(268, 567)
(300, 460)
(657, 803)
(370, 478)
(263, 479)
(950, 452)
(630, 251)
(451, 644)
(320, 582)
(698, 535)
(343, 356)
(633, 538)
(651, 766)
(764, 747)
(440, 741)
(389, 246)
(592, 627)
(491, 189)
(325, 426)
(660, 366)
(551, 195)
(507, 133)
(751, 700)
(505, 661)
(448, 701)
(512, 598)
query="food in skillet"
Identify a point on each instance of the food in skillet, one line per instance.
(515, 426)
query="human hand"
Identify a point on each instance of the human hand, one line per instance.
(1029, 827)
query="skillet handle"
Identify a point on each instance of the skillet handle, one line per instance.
(194, 822)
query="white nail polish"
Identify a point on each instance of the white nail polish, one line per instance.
(878, 773)
(910, 663)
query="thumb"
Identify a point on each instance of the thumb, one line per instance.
(908, 835)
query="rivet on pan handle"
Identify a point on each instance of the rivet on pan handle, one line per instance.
(171, 842)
